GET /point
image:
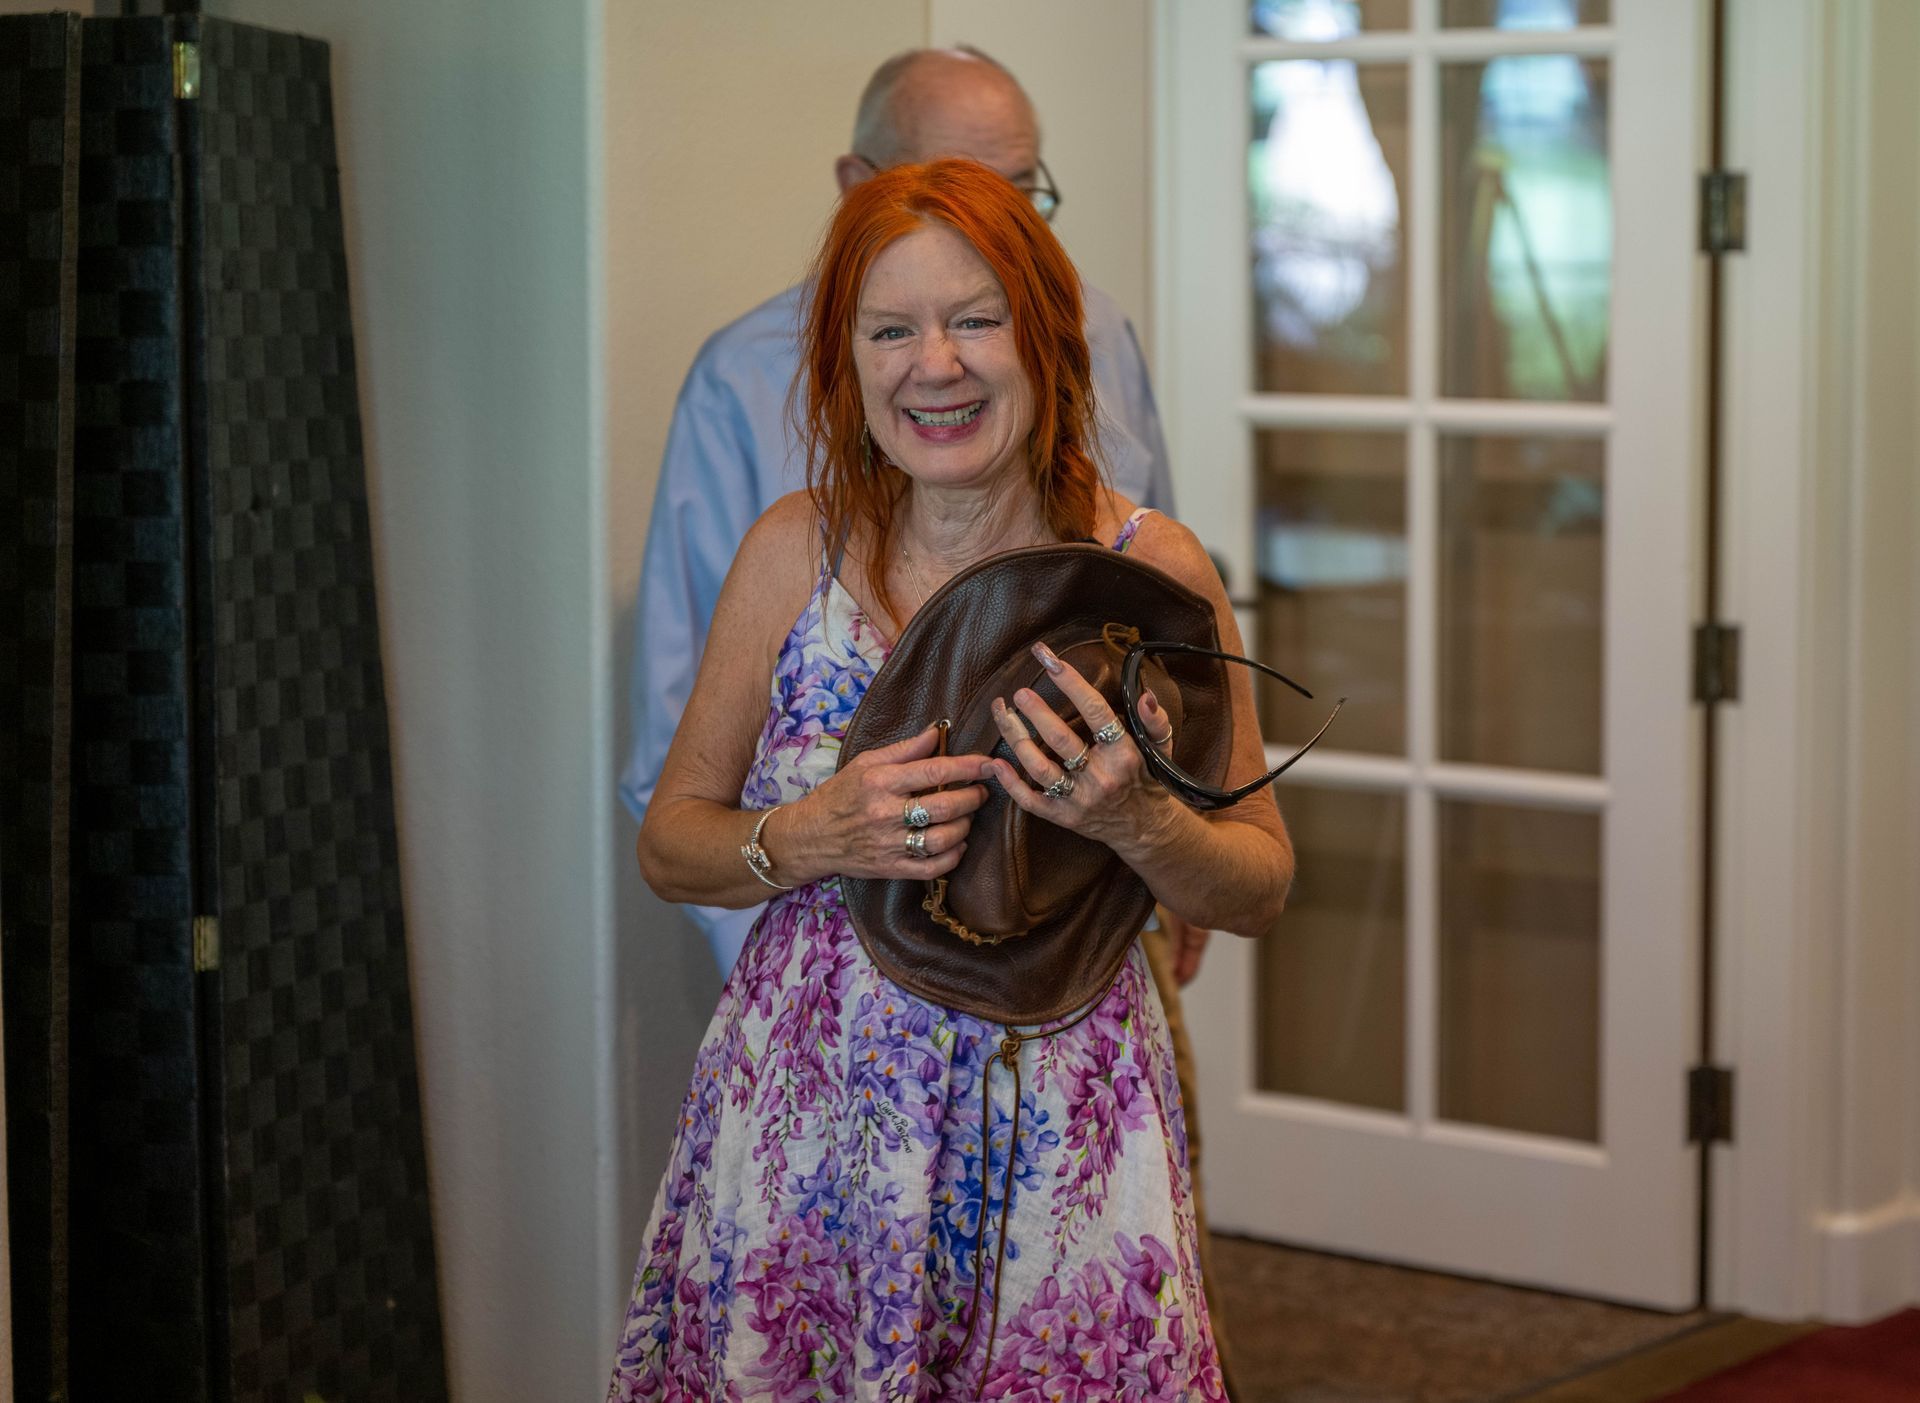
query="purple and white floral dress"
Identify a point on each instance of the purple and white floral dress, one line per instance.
(816, 1234)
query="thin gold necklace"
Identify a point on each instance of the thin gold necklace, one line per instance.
(919, 584)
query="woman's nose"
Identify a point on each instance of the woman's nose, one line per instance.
(939, 359)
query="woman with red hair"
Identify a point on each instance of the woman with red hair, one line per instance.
(843, 1217)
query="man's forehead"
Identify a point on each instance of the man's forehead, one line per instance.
(973, 115)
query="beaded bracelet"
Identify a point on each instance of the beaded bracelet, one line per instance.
(756, 855)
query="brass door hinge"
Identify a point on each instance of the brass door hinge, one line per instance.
(206, 943)
(186, 69)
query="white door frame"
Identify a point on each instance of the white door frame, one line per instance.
(1796, 1229)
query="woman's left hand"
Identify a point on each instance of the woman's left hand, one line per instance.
(1096, 788)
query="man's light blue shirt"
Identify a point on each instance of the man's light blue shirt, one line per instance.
(732, 452)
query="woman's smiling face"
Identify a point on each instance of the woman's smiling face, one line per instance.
(945, 394)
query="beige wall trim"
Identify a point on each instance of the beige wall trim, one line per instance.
(1868, 1260)
(1821, 780)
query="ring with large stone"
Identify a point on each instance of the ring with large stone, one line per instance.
(1060, 788)
(916, 814)
(917, 842)
(1110, 732)
(1078, 762)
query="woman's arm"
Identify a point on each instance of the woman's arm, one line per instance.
(851, 825)
(1227, 871)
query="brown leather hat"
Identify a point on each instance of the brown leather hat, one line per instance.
(1038, 917)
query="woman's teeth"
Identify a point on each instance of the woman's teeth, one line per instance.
(949, 417)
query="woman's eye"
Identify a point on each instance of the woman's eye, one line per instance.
(977, 323)
(889, 333)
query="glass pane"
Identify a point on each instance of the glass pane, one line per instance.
(1523, 14)
(1526, 228)
(1520, 968)
(1332, 610)
(1311, 21)
(1327, 176)
(1522, 601)
(1330, 982)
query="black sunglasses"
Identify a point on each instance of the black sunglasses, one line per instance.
(1183, 785)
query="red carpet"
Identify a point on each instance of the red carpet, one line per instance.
(1877, 1363)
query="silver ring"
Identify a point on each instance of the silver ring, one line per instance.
(1162, 740)
(917, 842)
(916, 814)
(1060, 788)
(1079, 761)
(1110, 732)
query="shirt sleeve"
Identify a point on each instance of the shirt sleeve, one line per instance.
(702, 507)
(1142, 417)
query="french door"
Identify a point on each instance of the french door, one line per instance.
(1430, 355)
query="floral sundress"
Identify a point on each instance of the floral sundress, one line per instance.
(830, 1223)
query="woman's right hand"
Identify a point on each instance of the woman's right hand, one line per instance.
(854, 824)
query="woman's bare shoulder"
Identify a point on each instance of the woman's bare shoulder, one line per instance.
(782, 547)
(774, 570)
(1171, 546)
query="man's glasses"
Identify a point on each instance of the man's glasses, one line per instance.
(1044, 193)
(1192, 791)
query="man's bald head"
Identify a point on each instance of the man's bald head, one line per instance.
(942, 102)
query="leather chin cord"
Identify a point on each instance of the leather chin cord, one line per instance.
(1008, 1053)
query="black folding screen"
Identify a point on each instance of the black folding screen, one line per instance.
(217, 1186)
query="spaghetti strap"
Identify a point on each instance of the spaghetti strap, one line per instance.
(1131, 529)
(832, 556)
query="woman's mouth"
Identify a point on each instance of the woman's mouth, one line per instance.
(947, 418)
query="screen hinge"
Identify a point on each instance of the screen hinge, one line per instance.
(1723, 212)
(1710, 1105)
(186, 69)
(206, 943)
(1716, 662)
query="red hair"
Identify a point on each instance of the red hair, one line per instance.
(1043, 297)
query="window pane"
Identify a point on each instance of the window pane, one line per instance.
(1526, 227)
(1327, 178)
(1520, 969)
(1523, 14)
(1332, 610)
(1522, 601)
(1330, 982)
(1311, 21)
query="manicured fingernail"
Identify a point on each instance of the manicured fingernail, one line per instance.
(1153, 703)
(1047, 659)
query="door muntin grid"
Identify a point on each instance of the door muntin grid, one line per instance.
(1487, 580)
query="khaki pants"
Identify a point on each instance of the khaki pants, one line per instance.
(1159, 948)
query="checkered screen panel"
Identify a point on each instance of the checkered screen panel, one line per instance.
(39, 187)
(331, 1254)
(138, 1283)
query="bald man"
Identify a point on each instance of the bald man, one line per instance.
(731, 452)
